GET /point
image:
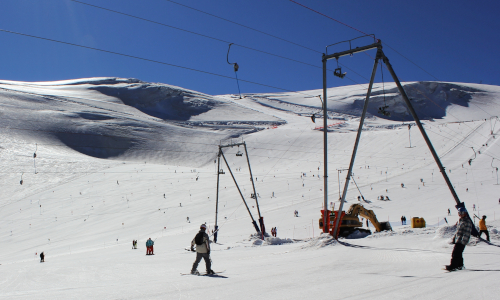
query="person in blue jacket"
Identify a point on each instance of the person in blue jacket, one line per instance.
(149, 247)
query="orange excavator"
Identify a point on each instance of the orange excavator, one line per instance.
(349, 222)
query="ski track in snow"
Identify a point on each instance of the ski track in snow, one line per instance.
(121, 159)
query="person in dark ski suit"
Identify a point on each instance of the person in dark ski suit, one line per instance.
(202, 251)
(42, 257)
(460, 239)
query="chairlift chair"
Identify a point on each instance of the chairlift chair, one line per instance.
(382, 110)
(338, 73)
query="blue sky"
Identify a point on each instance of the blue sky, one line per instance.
(452, 40)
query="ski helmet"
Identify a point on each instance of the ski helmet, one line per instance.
(484, 217)
(462, 210)
(203, 226)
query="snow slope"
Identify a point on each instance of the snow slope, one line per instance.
(121, 159)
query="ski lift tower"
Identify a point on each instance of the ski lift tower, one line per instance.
(220, 154)
(379, 56)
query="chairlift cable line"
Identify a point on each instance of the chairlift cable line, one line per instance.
(220, 40)
(385, 44)
(148, 60)
(239, 24)
(195, 33)
(330, 18)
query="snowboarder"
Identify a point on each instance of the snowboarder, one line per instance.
(202, 242)
(460, 239)
(42, 257)
(149, 247)
(483, 228)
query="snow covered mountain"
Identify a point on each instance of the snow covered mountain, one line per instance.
(88, 165)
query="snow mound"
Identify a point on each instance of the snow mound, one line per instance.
(268, 240)
(446, 232)
(321, 241)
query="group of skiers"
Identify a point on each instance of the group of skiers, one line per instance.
(403, 220)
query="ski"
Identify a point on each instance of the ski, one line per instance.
(458, 269)
(204, 274)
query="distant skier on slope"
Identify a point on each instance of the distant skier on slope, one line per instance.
(460, 239)
(149, 247)
(483, 228)
(42, 257)
(202, 242)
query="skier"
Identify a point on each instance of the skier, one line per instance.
(202, 242)
(473, 207)
(449, 212)
(42, 257)
(402, 220)
(149, 247)
(460, 239)
(134, 244)
(483, 228)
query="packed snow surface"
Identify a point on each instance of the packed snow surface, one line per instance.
(89, 165)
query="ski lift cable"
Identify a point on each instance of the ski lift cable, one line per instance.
(385, 44)
(146, 59)
(199, 34)
(217, 39)
(329, 17)
(239, 24)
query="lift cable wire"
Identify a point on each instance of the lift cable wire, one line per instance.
(158, 62)
(199, 34)
(365, 34)
(331, 18)
(217, 39)
(239, 24)
(149, 60)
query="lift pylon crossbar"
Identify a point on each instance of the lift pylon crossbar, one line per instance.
(377, 45)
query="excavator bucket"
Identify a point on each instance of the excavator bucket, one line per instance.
(386, 226)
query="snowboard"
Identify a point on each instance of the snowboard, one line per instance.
(205, 274)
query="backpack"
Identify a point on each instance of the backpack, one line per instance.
(198, 239)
